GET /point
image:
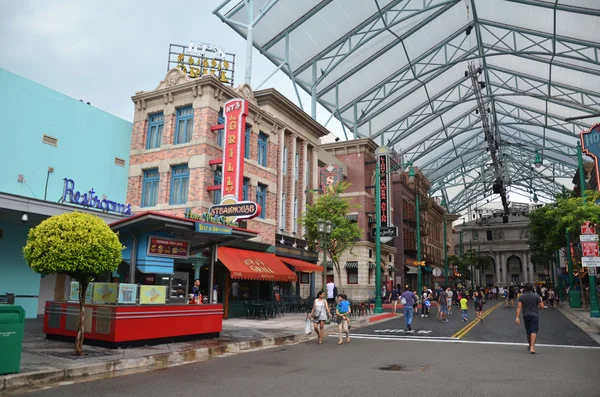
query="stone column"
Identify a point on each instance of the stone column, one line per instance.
(524, 266)
(503, 268)
(280, 179)
(497, 279)
(302, 188)
(291, 183)
(532, 277)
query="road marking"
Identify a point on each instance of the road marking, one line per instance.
(401, 331)
(474, 322)
(456, 340)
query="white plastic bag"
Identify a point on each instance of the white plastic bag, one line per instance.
(307, 327)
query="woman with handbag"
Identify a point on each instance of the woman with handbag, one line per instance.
(319, 314)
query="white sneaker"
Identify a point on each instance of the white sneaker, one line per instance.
(422, 315)
(427, 315)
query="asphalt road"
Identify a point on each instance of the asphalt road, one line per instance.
(475, 364)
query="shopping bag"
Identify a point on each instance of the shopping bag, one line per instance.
(307, 327)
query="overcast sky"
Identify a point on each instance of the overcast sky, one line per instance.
(103, 51)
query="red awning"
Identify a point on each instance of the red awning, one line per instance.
(252, 265)
(301, 266)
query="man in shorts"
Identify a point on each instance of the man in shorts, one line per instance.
(528, 303)
(449, 293)
(443, 305)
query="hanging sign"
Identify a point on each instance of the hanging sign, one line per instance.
(590, 261)
(329, 176)
(590, 145)
(588, 237)
(383, 159)
(232, 206)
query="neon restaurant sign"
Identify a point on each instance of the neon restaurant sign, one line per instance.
(90, 200)
(232, 206)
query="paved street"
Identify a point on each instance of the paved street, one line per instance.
(488, 360)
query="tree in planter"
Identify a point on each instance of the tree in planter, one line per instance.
(330, 206)
(77, 244)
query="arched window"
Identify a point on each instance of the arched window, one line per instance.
(514, 265)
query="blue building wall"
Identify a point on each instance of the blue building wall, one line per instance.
(89, 139)
(15, 275)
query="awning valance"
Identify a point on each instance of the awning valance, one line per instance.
(351, 265)
(301, 266)
(352, 217)
(329, 264)
(252, 265)
(411, 269)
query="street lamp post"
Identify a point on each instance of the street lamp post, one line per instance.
(594, 307)
(471, 260)
(324, 230)
(445, 244)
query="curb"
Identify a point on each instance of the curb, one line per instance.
(14, 382)
(580, 316)
(150, 362)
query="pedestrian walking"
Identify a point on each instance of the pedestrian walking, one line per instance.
(511, 296)
(319, 314)
(551, 296)
(331, 292)
(408, 299)
(443, 305)
(394, 298)
(478, 298)
(342, 312)
(450, 294)
(425, 302)
(528, 304)
(464, 308)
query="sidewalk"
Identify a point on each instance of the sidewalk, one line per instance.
(46, 361)
(582, 315)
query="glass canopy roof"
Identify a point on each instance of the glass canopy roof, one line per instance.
(397, 71)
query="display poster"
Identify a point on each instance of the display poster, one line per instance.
(168, 247)
(127, 294)
(105, 292)
(74, 293)
(153, 294)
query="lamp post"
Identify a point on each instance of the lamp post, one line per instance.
(594, 307)
(471, 260)
(411, 178)
(324, 230)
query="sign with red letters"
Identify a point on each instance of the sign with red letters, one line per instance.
(589, 248)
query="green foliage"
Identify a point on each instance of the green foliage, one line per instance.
(78, 244)
(330, 206)
(548, 224)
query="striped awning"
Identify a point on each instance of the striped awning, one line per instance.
(352, 217)
(411, 269)
(328, 264)
(351, 265)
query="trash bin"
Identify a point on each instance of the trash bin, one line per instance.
(12, 327)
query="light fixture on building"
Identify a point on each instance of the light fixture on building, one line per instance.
(535, 197)
(411, 175)
(24, 217)
(282, 241)
(538, 159)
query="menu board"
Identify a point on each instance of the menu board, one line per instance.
(168, 247)
(153, 294)
(127, 294)
(105, 292)
(74, 292)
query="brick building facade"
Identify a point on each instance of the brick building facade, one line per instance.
(358, 266)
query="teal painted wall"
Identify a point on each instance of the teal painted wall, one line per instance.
(89, 139)
(15, 275)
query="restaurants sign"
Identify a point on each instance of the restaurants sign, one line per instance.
(590, 145)
(232, 205)
(168, 247)
(203, 227)
(199, 59)
(89, 199)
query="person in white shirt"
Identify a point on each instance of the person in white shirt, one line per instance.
(449, 293)
(330, 292)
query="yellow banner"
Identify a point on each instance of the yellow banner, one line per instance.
(153, 294)
(105, 293)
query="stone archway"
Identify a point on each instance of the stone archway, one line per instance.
(514, 269)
